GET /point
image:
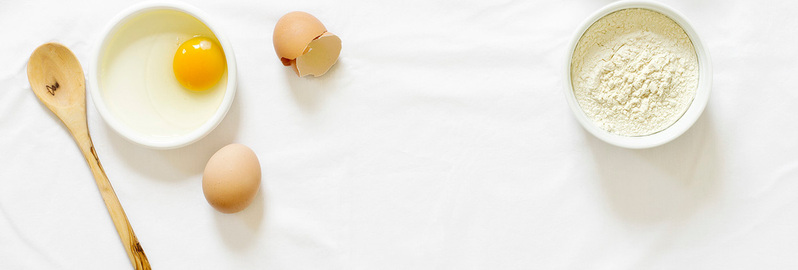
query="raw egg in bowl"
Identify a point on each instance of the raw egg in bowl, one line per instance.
(161, 75)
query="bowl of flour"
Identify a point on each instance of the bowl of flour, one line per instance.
(638, 76)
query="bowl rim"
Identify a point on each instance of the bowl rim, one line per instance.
(129, 133)
(681, 125)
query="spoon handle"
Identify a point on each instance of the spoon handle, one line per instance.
(129, 240)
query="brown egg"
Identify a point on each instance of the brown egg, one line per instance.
(231, 178)
(302, 42)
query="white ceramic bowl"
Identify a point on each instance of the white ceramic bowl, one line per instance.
(696, 106)
(140, 137)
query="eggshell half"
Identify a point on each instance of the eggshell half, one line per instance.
(231, 178)
(321, 55)
(293, 32)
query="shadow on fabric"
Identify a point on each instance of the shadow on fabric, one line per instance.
(665, 183)
(182, 163)
(239, 230)
(310, 92)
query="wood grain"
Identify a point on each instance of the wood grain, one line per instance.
(56, 77)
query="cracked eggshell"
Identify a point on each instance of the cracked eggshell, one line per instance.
(293, 32)
(302, 42)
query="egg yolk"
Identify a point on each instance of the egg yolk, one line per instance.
(199, 63)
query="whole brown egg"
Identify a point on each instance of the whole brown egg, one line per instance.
(231, 178)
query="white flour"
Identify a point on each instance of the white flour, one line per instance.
(634, 72)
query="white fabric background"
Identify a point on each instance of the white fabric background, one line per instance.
(440, 140)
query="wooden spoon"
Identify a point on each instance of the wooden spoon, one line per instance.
(56, 77)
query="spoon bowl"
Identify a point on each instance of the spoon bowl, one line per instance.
(53, 72)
